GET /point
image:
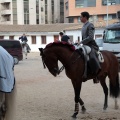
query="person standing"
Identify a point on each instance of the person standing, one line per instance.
(88, 30)
(24, 41)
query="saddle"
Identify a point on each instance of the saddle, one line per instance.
(92, 59)
(87, 50)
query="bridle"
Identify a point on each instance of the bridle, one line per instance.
(61, 68)
(44, 65)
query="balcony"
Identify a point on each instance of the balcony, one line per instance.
(5, 12)
(5, 1)
(6, 22)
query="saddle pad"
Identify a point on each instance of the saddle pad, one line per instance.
(100, 57)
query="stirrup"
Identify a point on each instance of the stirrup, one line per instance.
(96, 80)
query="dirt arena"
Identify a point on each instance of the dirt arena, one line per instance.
(41, 96)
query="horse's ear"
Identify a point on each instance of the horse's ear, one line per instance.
(41, 51)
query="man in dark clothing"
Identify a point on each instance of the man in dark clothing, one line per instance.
(88, 40)
(23, 38)
(64, 38)
(24, 41)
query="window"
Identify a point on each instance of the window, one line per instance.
(56, 38)
(110, 17)
(98, 36)
(14, 6)
(11, 37)
(1, 37)
(117, 1)
(7, 17)
(41, 9)
(110, 2)
(43, 39)
(37, 11)
(79, 21)
(71, 20)
(33, 39)
(112, 36)
(26, 12)
(66, 5)
(45, 1)
(85, 3)
(52, 5)
(114, 16)
(37, 19)
(61, 11)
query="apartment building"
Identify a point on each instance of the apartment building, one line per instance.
(99, 10)
(31, 12)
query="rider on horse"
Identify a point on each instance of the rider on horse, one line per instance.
(64, 38)
(24, 42)
(90, 44)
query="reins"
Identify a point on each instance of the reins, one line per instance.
(61, 68)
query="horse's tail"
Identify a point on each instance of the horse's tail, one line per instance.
(10, 99)
(115, 88)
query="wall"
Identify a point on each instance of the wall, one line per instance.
(77, 33)
(49, 37)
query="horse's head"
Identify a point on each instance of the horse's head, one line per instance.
(50, 60)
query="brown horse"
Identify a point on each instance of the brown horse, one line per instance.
(73, 63)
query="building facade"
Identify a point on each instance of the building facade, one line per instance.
(99, 10)
(41, 35)
(31, 12)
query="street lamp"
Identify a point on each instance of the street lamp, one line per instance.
(107, 12)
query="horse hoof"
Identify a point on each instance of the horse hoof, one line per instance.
(116, 107)
(74, 115)
(105, 107)
(83, 109)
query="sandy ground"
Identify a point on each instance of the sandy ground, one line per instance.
(41, 96)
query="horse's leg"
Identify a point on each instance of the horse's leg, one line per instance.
(116, 104)
(77, 89)
(82, 105)
(105, 89)
(25, 52)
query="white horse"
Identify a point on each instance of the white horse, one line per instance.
(24, 49)
(7, 86)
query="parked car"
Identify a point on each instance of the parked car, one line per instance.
(14, 48)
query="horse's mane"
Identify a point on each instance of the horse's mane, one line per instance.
(63, 44)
